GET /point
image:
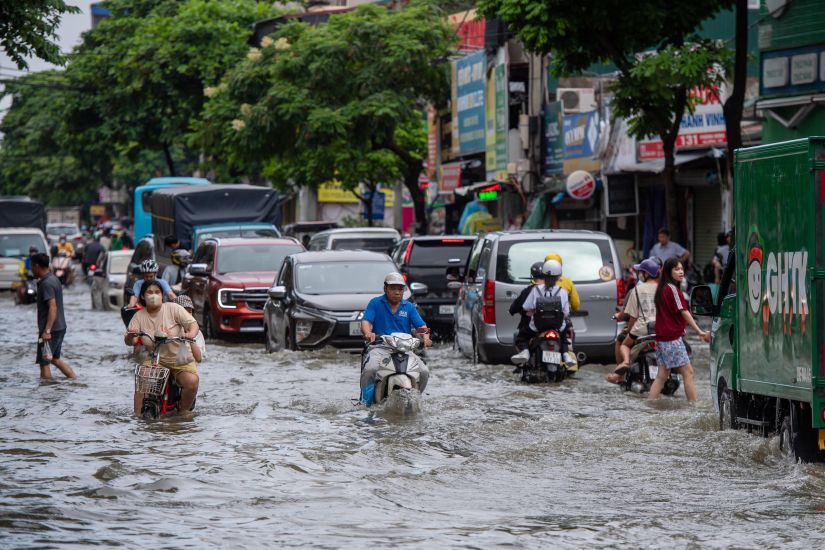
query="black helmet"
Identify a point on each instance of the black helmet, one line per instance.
(535, 271)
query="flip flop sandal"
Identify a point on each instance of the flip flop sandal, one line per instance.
(621, 369)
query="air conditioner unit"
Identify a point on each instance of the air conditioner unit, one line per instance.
(577, 100)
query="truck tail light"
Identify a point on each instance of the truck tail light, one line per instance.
(620, 291)
(489, 304)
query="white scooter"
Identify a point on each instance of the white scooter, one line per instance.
(397, 383)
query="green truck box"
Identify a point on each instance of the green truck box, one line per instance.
(767, 356)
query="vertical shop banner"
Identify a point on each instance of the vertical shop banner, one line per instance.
(502, 114)
(450, 177)
(581, 141)
(470, 103)
(454, 142)
(553, 139)
(490, 123)
(432, 142)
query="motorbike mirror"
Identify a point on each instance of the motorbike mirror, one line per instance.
(136, 270)
(277, 292)
(701, 300)
(454, 285)
(418, 289)
(198, 269)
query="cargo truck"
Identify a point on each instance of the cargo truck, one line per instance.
(767, 356)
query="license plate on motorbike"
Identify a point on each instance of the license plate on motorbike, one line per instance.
(652, 370)
(355, 328)
(553, 357)
(446, 310)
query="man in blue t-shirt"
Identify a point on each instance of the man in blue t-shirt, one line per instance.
(390, 313)
(149, 272)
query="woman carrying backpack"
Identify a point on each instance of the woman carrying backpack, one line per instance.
(672, 316)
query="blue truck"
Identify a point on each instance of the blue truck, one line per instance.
(143, 195)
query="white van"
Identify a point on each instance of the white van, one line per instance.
(374, 239)
(14, 247)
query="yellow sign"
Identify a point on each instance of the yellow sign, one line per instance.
(333, 192)
(97, 210)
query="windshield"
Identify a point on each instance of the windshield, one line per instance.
(17, 245)
(440, 253)
(380, 244)
(62, 230)
(237, 232)
(251, 258)
(342, 277)
(118, 264)
(582, 260)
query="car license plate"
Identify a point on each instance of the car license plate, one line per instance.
(355, 328)
(446, 310)
(652, 370)
(553, 357)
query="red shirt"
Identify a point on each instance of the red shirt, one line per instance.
(670, 325)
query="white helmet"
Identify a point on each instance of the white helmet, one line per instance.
(394, 279)
(551, 268)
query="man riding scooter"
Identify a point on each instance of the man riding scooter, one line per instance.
(384, 315)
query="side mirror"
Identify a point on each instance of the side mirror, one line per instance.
(198, 270)
(418, 289)
(454, 285)
(277, 292)
(701, 301)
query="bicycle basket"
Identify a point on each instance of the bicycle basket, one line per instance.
(150, 380)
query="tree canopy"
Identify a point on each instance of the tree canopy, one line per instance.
(28, 28)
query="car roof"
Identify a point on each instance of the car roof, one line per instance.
(358, 231)
(21, 230)
(441, 237)
(215, 226)
(249, 241)
(61, 224)
(526, 234)
(340, 256)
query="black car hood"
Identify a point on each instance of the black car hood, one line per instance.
(336, 302)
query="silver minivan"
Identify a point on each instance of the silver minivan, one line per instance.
(374, 239)
(499, 268)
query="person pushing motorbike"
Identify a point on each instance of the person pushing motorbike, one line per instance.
(384, 315)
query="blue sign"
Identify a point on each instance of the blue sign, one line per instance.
(470, 77)
(581, 141)
(553, 139)
(378, 200)
(795, 71)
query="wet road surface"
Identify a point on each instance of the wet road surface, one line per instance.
(278, 456)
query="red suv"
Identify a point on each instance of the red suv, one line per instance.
(229, 279)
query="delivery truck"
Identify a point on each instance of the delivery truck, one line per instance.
(767, 356)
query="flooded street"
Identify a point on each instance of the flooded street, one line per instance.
(277, 455)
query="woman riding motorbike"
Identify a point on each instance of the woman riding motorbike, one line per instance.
(171, 320)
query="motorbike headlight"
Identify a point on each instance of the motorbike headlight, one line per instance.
(302, 330)
(225, 298)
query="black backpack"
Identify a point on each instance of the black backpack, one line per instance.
(549, 311)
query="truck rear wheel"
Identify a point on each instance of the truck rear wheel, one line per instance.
(727, 410)
(796, 438)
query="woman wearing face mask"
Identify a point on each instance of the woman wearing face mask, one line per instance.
(172, 320)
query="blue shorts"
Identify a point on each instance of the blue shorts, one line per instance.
(672, 355)
(56, 343)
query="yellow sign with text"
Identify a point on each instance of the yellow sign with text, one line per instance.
(333, 192)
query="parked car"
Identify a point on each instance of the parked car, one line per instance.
(426, 260)
(145, 250)
(109, 279)
(318, 299)
(499, 268)
(233, 229)
(303, 231)
(375, 239)
(14, 248)
(228, 282)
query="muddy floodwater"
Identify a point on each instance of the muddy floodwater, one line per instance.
(278, 456)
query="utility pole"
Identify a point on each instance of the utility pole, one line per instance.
(535, 105)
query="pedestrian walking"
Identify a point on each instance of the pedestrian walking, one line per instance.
(672, 316)
(666, 249)
(51, 323)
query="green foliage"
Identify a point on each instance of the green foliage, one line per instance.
(28, 29)
(338, 101)
(649, 93)
(585, 32)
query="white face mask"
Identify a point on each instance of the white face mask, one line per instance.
(153, 300)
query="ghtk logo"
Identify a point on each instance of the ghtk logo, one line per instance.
(783, 291)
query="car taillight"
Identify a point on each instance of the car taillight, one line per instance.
(552, 335)
(619, 291)
(407, 254)
(453, 241)
(405, 277)
(489, 309)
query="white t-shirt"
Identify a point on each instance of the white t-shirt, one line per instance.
(539, 292)
(641, 304)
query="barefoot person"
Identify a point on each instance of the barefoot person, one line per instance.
(672, 317)
(51, 323)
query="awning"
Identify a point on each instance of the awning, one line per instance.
(805, 104)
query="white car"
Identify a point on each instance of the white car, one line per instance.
(14, 248)
(373, 239)
(108, 280)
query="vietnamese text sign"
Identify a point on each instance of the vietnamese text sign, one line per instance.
(469, 76)
(792, 71)
(704, 128)
(502, 115)
(490, 123)
(581, 140)
(450, 177)
(553, 139)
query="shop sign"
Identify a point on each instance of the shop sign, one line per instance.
(450, 177)
(581, 185)
(334, 193)
(502, 115)
(621, 196)
(489, 193)
(432, 141)
(97, 210)
(469, 29)
(469, 74)
(581, 140)
(378, 205)
(553, 139)
(704, 128)
(792, 71)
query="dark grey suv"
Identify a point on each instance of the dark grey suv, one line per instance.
(499, 268)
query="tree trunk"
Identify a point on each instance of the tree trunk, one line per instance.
(167, 154)
(736, 101)
(411, 175)
(670, 190)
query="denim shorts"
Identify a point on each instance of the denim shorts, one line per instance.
(672, 355)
